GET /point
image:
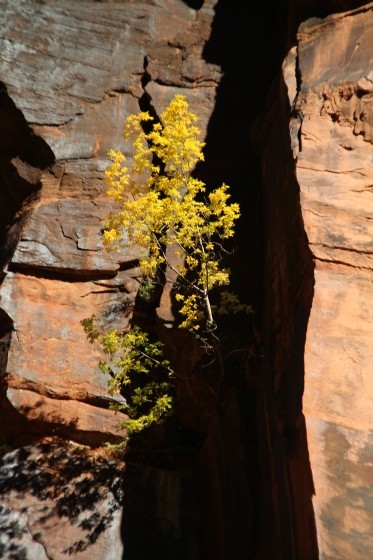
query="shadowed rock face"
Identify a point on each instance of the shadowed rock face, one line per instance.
(74, 501)
(294, 142)
(23, 157)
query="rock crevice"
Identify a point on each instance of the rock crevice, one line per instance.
(241, 484)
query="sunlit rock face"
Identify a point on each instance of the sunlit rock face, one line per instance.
(334, 166)
(72, 75)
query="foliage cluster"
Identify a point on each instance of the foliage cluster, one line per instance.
(161, 205)
(170, 208)
(134, 361)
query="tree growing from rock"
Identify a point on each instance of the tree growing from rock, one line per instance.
(159, 204)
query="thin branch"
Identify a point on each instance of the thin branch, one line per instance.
(210, 318)
(154, 360)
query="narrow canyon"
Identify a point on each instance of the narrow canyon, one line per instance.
(277, 463)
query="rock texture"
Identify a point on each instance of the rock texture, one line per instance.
(317, 212)
(74, 501)
(335, 169)
(72, 72)
(74, 86)
(289, 530)
(254, 452)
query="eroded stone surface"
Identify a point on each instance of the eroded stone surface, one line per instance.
(65, 237)
(53, 375)
(75, 71)
(48, 344)
(85, 423)
(335, 170)
(76, 85)
(58, 501)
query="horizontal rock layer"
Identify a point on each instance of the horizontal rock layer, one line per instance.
(78, 103)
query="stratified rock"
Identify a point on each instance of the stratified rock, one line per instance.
(335, 169)
(73, 72)
(65, 237)
(61, 344)
(50, 355)
(75, 84)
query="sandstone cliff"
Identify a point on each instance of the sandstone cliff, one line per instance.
(279, 466)
(334, 171)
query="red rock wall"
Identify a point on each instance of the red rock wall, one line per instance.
(78, 83)
(317, 323)
(334, 171)
(72, 72)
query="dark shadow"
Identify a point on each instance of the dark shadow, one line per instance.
(248, 42)
(58, 483)
(217, 506)
(194, 4)
(287, 526)
(251, 481)
(6, 327)
(159, 518)
(23, 156)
